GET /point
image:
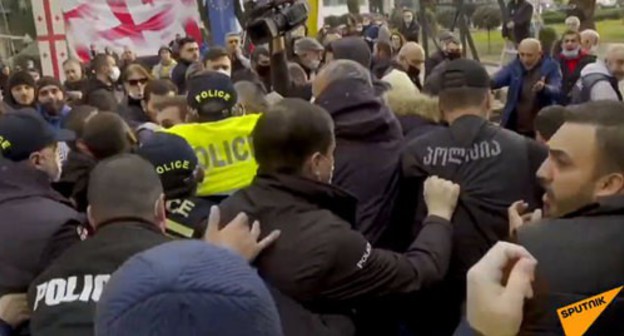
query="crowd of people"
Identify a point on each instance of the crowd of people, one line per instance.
(343, 184)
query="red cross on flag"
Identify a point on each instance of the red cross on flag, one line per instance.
(50, 36)
(142, 25)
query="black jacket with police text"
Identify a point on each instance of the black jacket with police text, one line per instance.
(64, 296)
(319, 260)
(494, 168)
(579, 256)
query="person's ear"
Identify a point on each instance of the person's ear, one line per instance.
(315, 166)
(610, 185)
(160, 213)
(35, 159)
(489, 103)
(90, 217)
(83, 148)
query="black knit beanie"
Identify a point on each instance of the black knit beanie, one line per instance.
(21, 78)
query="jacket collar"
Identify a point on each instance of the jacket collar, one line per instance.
(127, 221)
(324, 195)
(612, 205)
(21, 180)
(466, 129)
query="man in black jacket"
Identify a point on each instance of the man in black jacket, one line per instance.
(189, 53)
(320, 261)
(494, 167)
(127, 210)
(410, 29)
(578, 249)
(37, 223)
(520, 13)
(99, 90)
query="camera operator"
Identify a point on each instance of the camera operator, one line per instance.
(279, 66)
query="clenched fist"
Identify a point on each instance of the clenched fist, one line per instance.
(441, 197)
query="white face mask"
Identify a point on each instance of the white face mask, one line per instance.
(225, 72)
(570, 53)
(115, 73)
(136, 96)
(313, 65)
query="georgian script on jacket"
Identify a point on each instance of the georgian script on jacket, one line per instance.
(58, 291)
(441, 156)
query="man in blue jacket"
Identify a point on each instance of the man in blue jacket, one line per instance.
(534, 82)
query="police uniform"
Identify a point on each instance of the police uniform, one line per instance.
(494, 167)
(223, 146)
(177, 166)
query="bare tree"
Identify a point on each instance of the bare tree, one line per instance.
(584, 10)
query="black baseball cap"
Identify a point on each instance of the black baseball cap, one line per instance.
(464, 73)
(172, 157)
(24, 132)
(211, 92)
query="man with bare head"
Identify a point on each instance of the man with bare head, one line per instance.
(534, 82)
(600, 80)
(589, 41)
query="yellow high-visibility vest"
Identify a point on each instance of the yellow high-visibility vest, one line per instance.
(224, 150)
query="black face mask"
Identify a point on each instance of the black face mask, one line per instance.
(263, 70)
(453, 55)
(413, 72)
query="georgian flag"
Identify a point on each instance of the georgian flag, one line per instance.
(142, 25)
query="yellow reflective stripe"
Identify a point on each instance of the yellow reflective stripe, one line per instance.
(180, 229)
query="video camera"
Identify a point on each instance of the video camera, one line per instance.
(277, 17)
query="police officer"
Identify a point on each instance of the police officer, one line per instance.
(494, 167)
(179, 171)
(127, 211)
(220, 139)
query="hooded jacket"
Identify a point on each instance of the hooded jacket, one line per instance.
(33, 217)
(418, 114)
(512, 76)
(322, 263)
(354, 48)
(579, 255)
(596, 83)
(368, 143)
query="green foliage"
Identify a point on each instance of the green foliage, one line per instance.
(548, 37)
(487, 17)
(555, 17)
